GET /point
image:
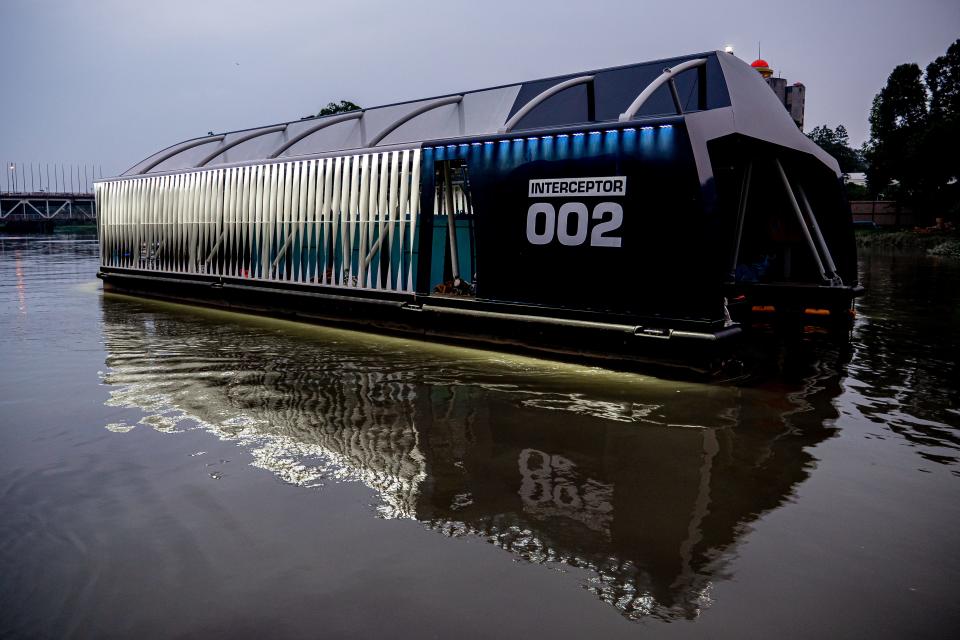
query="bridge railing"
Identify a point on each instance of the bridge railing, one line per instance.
(46, 179)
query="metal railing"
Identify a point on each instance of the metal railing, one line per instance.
(45, 179)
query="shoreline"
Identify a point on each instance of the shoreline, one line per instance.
(941, 243)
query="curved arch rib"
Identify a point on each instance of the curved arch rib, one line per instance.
(326, 122)
(534, 102)
(180, 149)
(240, 140)
(430, 106)
(667, 76)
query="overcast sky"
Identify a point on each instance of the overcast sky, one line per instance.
(111, 81)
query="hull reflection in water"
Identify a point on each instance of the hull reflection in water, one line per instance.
(646, 484)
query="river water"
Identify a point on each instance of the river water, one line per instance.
(167, 471)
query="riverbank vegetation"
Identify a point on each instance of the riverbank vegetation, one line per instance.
(934, 243)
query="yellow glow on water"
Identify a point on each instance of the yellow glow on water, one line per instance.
(517, 364)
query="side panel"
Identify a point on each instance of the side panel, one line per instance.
(327, 221)
(605, 220)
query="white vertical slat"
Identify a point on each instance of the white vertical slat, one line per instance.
(213, 220)
(363, 214)
(335, 215)
(271, 214)
(208, 211)
(120, 218)
(414, 213)
(284, 214)
(171, 210)
(188, 223)
(155, 224)
(103, 208)
(225, 236)
(238, 224)
(146, 204)
(160, 226)
(137, 223)
(371, 233)
(325, 178)
(303, 181)
(130, 213)
(327, 227)
(392, 209)
(115, 223)
(404, 209)
(256, 249)
(345, 248)
(136, 203)
(206, 218)
(241, 213)
(155, 201)
(200, 216)
(102, 191)
(126, 224)
(246, 201)
(353, 211)
(213, 217)
(237, 239)
(183, 223)
(295, 232)
(170, 204)
(116, 197)
(383, 214)
(226, 244)
(192, 225)
(220, 214)
(311, 216)
(182, 212)
(261, 195)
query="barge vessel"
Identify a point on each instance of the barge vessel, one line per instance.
(636, 213)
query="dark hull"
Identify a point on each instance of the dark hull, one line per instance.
(608, 339)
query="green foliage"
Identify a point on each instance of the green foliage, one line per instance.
(898, 119)
(836, 142)
(914, 133)
(857, 192)
(344, 106)
(943, 82)
(943, 132)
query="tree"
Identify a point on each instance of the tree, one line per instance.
(898, 121)
(836, 142)
(943, 81)
(914, 133)
(943, 131)
(344, 106)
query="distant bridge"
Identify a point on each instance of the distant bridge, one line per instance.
(43, 207)
(41, 196)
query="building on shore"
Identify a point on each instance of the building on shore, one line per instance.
(791, 95)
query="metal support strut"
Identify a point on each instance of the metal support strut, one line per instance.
(827, 257)
(802, 221)
(741, 214)
(667, 76)
(451, 221)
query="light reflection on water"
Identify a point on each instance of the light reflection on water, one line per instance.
(636, 479)
(647, 487)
